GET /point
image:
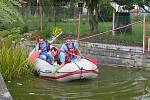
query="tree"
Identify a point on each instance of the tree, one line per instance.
(129, 4)
(95, 7)
(93, 13)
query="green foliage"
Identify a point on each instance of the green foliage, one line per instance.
(4, 33)
(19, 30)
(106, 11)
(7, 41)
(129, 4)
(16, 30)
(24, 28)
(8, 13)
(13, 62)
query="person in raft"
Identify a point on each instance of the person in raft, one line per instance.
(71, 48)
(43, 46)
(60, 56)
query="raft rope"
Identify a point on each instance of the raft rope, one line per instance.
(66, 72)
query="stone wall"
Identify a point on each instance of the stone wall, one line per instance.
(116, 55)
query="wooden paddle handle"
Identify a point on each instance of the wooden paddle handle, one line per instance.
(57, 36)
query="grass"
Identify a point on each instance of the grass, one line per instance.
(14, 63)
(134, 38)
(70, 26)
(7, 41)
(13, 60)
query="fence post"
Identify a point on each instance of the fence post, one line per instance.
(78, 36)
(113, 28)
(144, 33)
(148, 44)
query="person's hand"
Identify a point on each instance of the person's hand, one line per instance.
(40, 51)
(55, 64)
(82, 57)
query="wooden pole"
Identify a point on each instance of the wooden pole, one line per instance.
(144, 33)
(78, 36)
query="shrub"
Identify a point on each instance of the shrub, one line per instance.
(4, 33)
(13, 62)
(7, 41)
(24, 28)
(16, 30)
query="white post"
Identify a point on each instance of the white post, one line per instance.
(113, 26)
(148, 44)
(144, 32)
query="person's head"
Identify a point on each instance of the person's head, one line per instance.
(41, 39)
(53, 51)
(68, 39)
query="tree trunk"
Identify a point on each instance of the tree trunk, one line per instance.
(92, 6)
(93, 24)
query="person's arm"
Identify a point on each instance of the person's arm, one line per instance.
(51, 58)
(80, 53)
(62, 60)
(37, 47)
(52, 62)
(62, 65)
(49, 42)
(77, 48)
(62, 47)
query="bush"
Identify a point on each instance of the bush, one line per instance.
(4, 33)
(7, 41)
(13, 63)
(16, 30)
(24, 29)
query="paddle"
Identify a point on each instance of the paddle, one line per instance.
(33, 56)
(36, 54)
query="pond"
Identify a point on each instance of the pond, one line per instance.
(113, 83)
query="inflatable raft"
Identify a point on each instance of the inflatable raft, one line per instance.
(83, 69)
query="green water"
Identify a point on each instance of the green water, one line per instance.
(114, 83)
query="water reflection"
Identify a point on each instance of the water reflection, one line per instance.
(112, 84)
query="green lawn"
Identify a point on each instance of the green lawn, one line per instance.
(70, 26)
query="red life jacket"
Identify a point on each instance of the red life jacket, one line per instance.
(71, 51)
(48, 46)
(57, 58)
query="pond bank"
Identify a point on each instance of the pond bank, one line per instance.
(4, 93)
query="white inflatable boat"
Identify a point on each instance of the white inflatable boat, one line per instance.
(84, 69)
